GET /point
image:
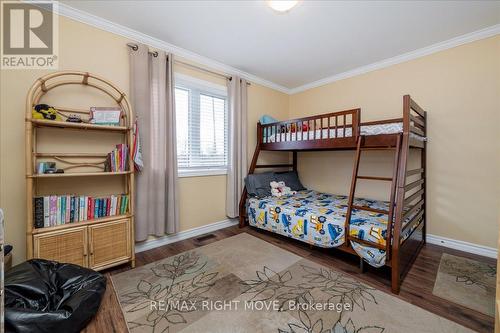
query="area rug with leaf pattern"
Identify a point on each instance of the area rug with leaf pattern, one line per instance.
(467, 282)
(245, 284)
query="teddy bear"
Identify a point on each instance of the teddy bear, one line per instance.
(279, 189)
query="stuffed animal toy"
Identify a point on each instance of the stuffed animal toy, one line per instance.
(279, 189)
(44, 111)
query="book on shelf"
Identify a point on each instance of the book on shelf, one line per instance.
(52, 210)
(117, 160)
(56, 210)
(67, 207)
(38, 209)
(46, 211)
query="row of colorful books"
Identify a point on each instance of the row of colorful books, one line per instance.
(117, 160)
(55, 210)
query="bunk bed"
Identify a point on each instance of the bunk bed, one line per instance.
(382, 233)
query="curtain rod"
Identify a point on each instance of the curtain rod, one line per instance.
(135, 47)
(185, 64)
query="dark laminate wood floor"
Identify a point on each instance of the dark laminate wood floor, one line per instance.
(416, 288)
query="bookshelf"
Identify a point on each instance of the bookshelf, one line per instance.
(99, 241)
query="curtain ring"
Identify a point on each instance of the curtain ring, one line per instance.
(134, 47)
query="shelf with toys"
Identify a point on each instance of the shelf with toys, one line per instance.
(82, 126)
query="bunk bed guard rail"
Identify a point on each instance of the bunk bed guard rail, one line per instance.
(315, 132)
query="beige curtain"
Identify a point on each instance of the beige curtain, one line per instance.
(237, 144)
(152, 95)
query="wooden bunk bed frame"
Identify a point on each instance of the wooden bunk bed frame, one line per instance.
(343, 133)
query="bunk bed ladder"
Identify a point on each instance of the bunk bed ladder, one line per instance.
(416, 124)
(392, 199)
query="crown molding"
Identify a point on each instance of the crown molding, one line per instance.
(441, 46)
(139, 37)
(136, 36)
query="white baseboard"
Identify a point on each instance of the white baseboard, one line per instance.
(463, 246)
(182, 235)
(431, 239)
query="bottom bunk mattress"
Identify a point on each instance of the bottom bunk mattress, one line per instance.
(319, 219)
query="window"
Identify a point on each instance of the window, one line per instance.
(201, 111)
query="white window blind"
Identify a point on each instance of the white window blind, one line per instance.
(201, 111)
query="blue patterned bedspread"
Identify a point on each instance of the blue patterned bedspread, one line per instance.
(318, 218)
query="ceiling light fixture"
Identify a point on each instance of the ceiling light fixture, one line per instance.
(282, 5)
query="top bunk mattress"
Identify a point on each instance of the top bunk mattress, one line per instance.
(378, 129)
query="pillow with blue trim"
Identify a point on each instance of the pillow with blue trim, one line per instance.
(266, 119)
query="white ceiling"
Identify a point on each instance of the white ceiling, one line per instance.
(315, 40)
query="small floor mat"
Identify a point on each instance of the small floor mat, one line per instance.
(466, 282)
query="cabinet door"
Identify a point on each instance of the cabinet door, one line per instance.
(67, 246)
(109, 243)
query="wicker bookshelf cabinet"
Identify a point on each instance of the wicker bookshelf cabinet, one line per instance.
(98, 243)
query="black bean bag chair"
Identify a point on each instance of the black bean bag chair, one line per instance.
(46, 296)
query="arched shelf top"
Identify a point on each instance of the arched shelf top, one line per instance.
(52, 81)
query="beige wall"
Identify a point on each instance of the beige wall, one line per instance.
(89, 49)
(460, 88)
